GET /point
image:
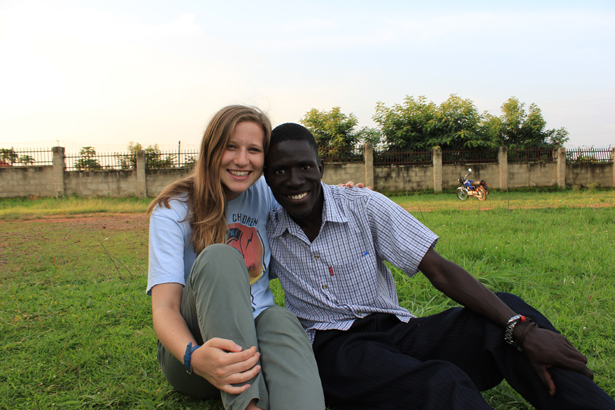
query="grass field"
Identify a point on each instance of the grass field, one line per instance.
(75, 323)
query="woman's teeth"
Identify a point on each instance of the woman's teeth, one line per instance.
(240, 173)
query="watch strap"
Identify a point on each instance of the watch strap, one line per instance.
(188, 357)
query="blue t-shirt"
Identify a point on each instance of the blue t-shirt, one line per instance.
(171, 253)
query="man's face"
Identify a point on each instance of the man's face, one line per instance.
(293, 174)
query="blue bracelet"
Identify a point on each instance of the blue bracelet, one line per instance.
(188, 356)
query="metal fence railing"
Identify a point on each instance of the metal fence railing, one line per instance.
(588, 155)
(128, 160)
(171, 159)
(89, 159)
(10, 157)
(343, 155)
(532, 155)
(96, 161)
(403, 158)
(469, 157)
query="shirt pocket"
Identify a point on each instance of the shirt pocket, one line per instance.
(355, 282)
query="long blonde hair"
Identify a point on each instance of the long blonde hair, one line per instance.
(206, 199)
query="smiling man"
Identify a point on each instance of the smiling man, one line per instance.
(329, 245)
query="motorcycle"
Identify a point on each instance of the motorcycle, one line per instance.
(467, 189)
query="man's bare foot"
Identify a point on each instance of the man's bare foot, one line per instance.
(253, 406)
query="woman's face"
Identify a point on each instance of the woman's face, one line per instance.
(243, 159)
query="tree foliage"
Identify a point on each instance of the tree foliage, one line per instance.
(8, 155)
(521, 128)
(338, 130)
(88, 159)
(26, 160)
(407, 126)
(153, 157)
(419, 125)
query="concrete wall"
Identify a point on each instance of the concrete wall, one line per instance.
(585, 174)
(336, 173)
(56, 181)
(114, 183)
(532, 174)
(158, 179)
(403, 178)
(27, 181)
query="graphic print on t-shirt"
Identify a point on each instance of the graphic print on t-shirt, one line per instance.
(248, 242)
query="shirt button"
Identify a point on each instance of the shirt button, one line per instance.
(324, 286)
(316, 256)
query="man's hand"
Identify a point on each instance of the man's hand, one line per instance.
(223, 363)
(545, 348)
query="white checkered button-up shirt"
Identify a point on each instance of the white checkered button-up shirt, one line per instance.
(341, 276)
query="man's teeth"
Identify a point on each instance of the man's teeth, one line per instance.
(240, 173)
(299, 196)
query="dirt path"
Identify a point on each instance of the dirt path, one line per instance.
(125, 221)
(115, 221)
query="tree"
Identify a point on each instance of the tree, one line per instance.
(406, 126)
(371, 135)
(26, 160)
(88, 159)
(333, 128)
(519, 128)
(419, 125)
(153, 157)
(457, 125)
(8, 155)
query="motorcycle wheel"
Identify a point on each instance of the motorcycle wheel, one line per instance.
(482, 194)
(462, 194)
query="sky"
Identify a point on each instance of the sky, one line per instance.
(103, 73)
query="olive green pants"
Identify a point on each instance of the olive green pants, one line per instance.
(216, 303)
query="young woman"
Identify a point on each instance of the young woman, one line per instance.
(220, 334)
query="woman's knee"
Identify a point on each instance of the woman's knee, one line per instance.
(277, 322)
(278, 316)
(218, 250)
(219, 263)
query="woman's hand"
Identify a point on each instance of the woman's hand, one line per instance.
(223, 363)
(351, 184)
(220, 361)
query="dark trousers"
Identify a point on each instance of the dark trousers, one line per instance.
(439, 362)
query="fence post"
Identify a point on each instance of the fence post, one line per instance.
(368, 157)
(503, 162)
(561, 167)
(141, 178)
(437, 169)
(59, 165)
(613, 165)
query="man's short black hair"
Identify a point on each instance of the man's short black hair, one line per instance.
(293, 132)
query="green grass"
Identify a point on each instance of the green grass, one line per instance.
(75, 323)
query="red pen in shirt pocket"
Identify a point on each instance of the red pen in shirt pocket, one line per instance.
(331, 270)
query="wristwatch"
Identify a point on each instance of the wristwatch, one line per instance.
(510, 326)
(188, 356)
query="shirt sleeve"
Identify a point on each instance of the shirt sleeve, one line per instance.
(399, 237)
(167, 242)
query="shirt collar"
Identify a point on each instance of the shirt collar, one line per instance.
(330, 213)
